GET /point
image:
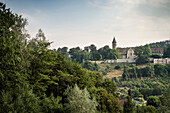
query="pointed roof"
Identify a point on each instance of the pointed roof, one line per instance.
(114, 40)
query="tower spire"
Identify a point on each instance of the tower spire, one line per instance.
(114, 43)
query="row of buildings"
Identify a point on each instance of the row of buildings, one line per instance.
(129, 56)
(128, 52)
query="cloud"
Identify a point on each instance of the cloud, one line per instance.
(137, 21)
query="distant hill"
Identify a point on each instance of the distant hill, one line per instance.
(161, 43)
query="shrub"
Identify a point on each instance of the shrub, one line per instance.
(117, 67)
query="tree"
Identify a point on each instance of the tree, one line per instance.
(63, 51)
(142, 60)
(13, 64)
(153, 100)
(143, 50)
(125, 74)
(160, 70)
(167, 52)
(143, 53)
(19, 100)
(51, 104)
(112, 54)
(79, 101)
(110, 86)
(135, 75)
(107, 102)
(90, 66)
(41, 59)
(93, 51)
(129, 106)
(165, 99)
(149, 71)
(145, 109)
(147, 50)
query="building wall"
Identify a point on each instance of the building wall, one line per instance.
(126, 52)
(130, 60)
(130, 53)
(161, 61)
(157, 50)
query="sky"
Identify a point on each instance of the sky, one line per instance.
(73, 23)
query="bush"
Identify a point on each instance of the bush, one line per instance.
(79, 101)
(117, 67)
(19, 101)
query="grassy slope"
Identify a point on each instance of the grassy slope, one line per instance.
(111, 71)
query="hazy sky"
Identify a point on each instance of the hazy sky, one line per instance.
(75, 23)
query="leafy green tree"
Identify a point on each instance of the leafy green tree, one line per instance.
(108, 53)
(168, 69)
(145, 109)
(79, 55)
(143, 53)
(12, 47)
(149, 71)
(129, 106)
(135, 74)
(167, 52)
(147, 50)
(90, 66)
(107, 102)
(125, 74)
(165, 106)
(160, 70)
(112, 54)
(63, 51)
(104, 51)
(153, 100)
(93, 51)
(41, 59)
(19, 100)
(110, 86)
(142, 60)
(143, 50)
(51, 104)
(79, 101)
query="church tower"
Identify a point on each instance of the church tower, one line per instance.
(114, 43)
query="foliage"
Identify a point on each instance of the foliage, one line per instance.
(19, 100)
(167, 52)
(51, 104)
(145, 109)
(90, 66)
(117, 67)
(157, 70)
(143, 53)
(153, 100)
(48, 73)
(12, 43)
(164, 99)
(160, 70)
(79, 101)
(107, 102)
(125, 74)
(156, 56)
(145, 86)
(110, 86)
(90, 53)
(160, 44)
(129, 106)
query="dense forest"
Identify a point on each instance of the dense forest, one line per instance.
(35, 79)
(89, 53)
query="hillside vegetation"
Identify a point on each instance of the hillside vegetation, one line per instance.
(160, 44)
(35, 79)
